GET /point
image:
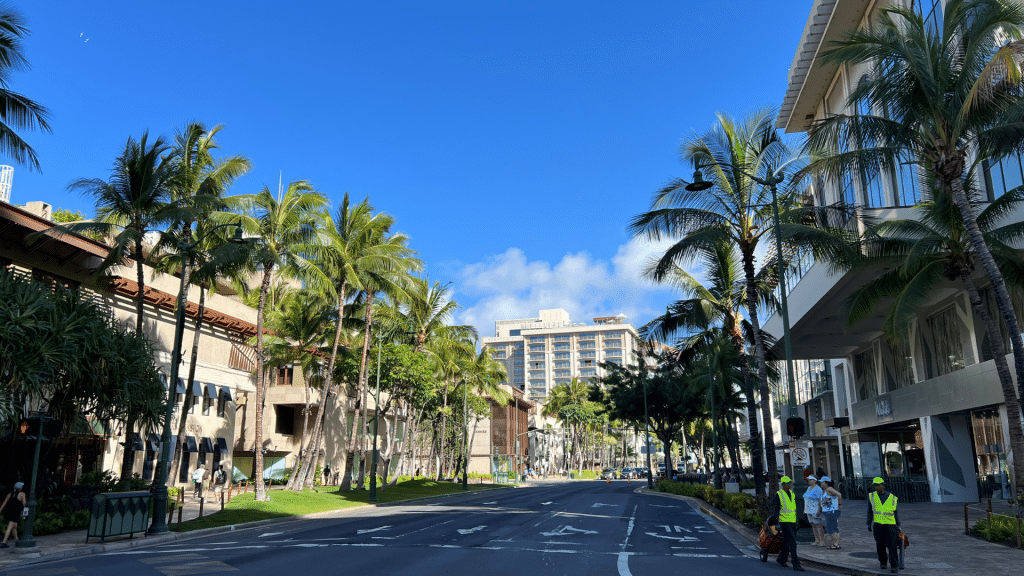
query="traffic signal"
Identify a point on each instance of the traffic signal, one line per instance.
(795, 427)
(29, 427)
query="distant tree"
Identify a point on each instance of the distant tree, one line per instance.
(62, 216)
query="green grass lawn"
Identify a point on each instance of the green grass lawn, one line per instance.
(243, 508)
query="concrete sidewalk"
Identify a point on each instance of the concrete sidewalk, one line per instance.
(938, 545)
(57, 546)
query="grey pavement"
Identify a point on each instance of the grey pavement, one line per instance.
(938, 545)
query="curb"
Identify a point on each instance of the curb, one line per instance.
(30, 558)
(749, 534)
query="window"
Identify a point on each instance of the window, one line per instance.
(613, 334)
(207, 405)
(592, 354)
(285, 421)
(586, 372)
(536, 356)
(1003, 175)
(535, 339)
(515, 332)
(518, 362)
(518, 370)
(865, 375)
(943, 339)
(536, 347)
(616, 361)
(587, 336)
(498, 355)
(613, 353)
(222, 403)
(870, 182)
(613, 343)
(562, 338)
(931, 12)
(536, 365)
(561, 382)
(561, 355)
(588, 345)
(536, 374)
(518, 379)
(561, 346)
(562, 374)
(562, 364)
(285, 375)
(587, 363)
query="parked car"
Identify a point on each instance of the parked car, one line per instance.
(645, 472)
(608, 474)
(627, 473)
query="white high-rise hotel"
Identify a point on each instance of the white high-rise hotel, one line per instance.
(541, 353)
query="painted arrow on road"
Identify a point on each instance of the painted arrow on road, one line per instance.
(488, 503)
(568, 531)
(598, 505)
(471, 530)
(676, 538)
(546, 503)
(368, 530)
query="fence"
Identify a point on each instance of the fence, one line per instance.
(999, 526)
(858, 488)
(692, 478)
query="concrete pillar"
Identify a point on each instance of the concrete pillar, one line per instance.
(949, 458)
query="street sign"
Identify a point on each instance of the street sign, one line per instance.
(800, 457)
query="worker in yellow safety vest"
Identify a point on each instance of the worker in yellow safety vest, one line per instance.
(785, 508)
(884, 523)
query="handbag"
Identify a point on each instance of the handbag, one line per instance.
(906, 541)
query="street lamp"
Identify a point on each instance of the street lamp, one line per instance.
(27, 540)
(159, 524)
(647, 427)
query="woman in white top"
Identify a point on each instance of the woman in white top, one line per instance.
(812, 508)
(831, 506)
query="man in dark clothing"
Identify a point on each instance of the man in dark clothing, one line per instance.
(884, 523)
(784, 507)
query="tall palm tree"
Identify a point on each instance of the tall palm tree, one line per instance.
(19, 112)
(943, 95)
(738, 210)
(283, 228)
(717, 301)
(931, 251)
(131, 204)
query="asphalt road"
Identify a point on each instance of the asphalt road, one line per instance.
(559, 528)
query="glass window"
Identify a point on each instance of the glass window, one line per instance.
(562, 338)
(588, 345)
(515, 332)
(536, 365)
(562, 364)
(1003, 175)
(536, 356)
(942, 340)
(588, 372)
(536, 347)
(613, 353)
(497, 355)
(562, 374)
(865, 374)
(559, 355)
(535, 339)
(587, 336)
(592, 354)
(561, 382)
(561, 346)
(207, 405)
(518, 379)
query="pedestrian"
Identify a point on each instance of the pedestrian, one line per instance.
(12, 508)
(326, 477)
(812, 509)
(884, 523)
(831, 505)
(197, 481)
(785, 508)
(220, 478)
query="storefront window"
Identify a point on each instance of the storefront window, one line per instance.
(865, 374)
(942, 340)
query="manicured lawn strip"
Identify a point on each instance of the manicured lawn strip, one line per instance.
(243, 508)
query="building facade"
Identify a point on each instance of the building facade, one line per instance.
(926, 413)
(550, 350)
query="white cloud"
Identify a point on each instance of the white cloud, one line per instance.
(509, 285)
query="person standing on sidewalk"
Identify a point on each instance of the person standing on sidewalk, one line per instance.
(12, 509)
(831, 505)
(884, 523)
(784, 507)
(197, 481)
(812, 508)
(220, 477)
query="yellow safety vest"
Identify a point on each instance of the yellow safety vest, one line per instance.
(885, 512)
(787, 508)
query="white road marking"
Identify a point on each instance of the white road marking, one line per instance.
(310, 545)
(678, 538)
(546, 503)
(427, 528)
(623, 564)
(471, 530)
(568, 531)
(700, 548)
(683, 555)
(444, 546)
(629, 528)
(598, 505)
(489, 503)
(660, 506)
(368, 530)
(269, 534)
(437, 504)
(383, 537)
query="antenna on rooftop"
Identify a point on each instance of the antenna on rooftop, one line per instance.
(6, 178)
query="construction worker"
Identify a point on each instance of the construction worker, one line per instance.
(785, 508)
(884, 523)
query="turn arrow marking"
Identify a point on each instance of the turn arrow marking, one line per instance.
(368, 530)
(568, 531)
(677, 538)
(471, 530)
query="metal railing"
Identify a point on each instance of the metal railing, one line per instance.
(858, 488)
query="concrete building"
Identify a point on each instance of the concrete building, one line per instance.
(547, 351)
(927, 414)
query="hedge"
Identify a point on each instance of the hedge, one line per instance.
(740, 506)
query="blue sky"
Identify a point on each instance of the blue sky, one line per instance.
(511, 140)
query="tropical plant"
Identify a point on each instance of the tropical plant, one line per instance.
(946, 97)
(19, 111)
(282, 229)
(930, 251)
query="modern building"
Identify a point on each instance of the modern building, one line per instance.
(550, 350)
(927, 413)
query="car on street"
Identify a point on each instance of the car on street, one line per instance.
(645, 472)
(608, 474)
(627, 473)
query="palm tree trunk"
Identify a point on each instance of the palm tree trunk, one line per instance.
(444, 425)
(364, 385)
(1005, 380)
(128, 458)
(762, 371)
(748, 390)
(189, 398)
(261, 387)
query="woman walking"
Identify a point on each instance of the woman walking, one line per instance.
(11, 510)
(831, 505)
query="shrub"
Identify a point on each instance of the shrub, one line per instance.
(741, 506)
(1001, 529)
(104, 481)
(47, 523)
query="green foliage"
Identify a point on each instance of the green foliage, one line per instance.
(61, 216)
(1000, 529)
(56, 522)
(102, 480)
(741, 506)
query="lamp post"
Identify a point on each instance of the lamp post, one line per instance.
(465, 436)
(159, 523)
(27, 540)
(647, 429)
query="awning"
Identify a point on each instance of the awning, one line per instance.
(225, 391)
(222, 446)
(197, 389)
(211, 390)
(206, 445)
(154, 442)
(181, 385)
(190, 444)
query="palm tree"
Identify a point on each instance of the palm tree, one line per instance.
(718, 301)
(19, 112)
(283, 228)
(943, 95)
(482, 375)
(130, 205)
(570, 404)
(931, 251)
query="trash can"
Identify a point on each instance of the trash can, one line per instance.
(117, 513)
